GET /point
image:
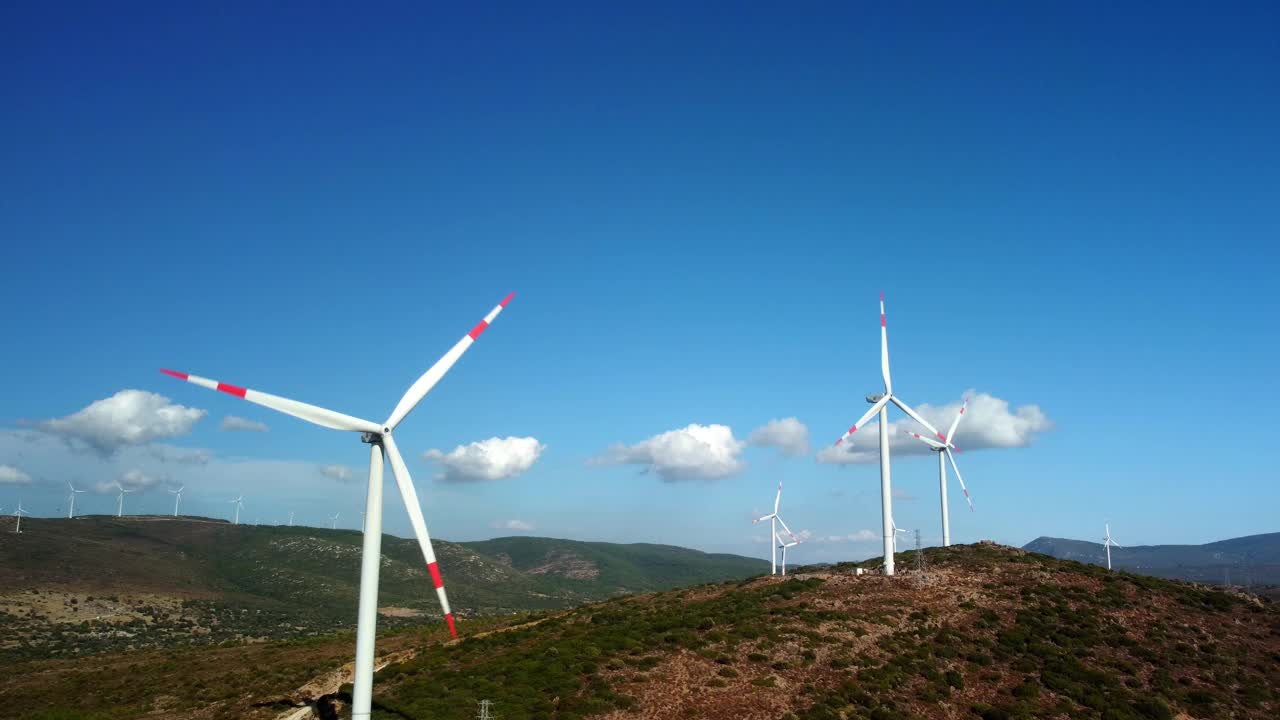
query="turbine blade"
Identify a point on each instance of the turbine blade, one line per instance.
(916, 416)
(303, 411)
(766, 517)
(884, 349)
(784, 527)
(955, 423)
(960, 478)
(411, 505)
(874, 409)
(927, 441)
(777, 499)
(423, 385)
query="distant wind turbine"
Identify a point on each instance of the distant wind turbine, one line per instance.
(775, 537)
(71, 498)
(120, 499)
(18, 513)
(239, 503)
(333, 521)
(784, 545)
(290, 518)
(177, 498)
(1109, 543)
(944, 448)
(896, 530)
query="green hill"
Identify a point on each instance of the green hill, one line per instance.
(100, 583)
(989, 632)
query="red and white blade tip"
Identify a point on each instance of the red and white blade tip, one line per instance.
(484, 323)
(214, 384)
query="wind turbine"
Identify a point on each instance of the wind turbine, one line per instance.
(784, 545)
(880, 405)
(897, 530)
(1109, 543)
(945, 448)
(773, 529)
(18, 513)
(120, 500)
(333, 521)
(177, 498)
(362, 521)
(71, 498)
(238, 503)
(290, 518)
(379, 437)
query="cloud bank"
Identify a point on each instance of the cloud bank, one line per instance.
(518, 525)
(134, 481)
(788, 435)
(696, 452)
(10, 475)
(341, 473)
(130, 417)
(234, 423)
(988, 423)
(492, 459)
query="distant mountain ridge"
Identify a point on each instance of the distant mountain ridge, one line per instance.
(165, 580)
(1249, 560)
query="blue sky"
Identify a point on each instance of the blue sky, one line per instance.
(1071, 207)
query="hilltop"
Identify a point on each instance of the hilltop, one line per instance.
(155, 581)
(989, 632)
(1250, 560)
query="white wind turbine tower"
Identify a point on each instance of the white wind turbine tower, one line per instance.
(880, 405)
(120, 499)
(944, 448)
(1109, 543)
(71, 499)
(333, 521)
(239, 504)
(18, 513)
(379, 437)
(290, 518)
(177, 498)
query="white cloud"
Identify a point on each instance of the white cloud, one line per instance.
(518, 525)
(130, 417)
(234, 422)
(492, 459)
(185, 456)
(697, 452)
(10, 475)
(808, 536)
(341, 473)
(987, 423)
(863, 535)
(788, 435)
(135, 481)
